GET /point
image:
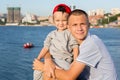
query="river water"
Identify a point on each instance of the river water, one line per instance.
(16, 62)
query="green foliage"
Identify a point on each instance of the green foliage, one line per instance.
(108, 19)
(27, 23)
(2, 23)
(43, 20)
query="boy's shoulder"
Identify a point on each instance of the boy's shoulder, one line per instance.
(53, 31)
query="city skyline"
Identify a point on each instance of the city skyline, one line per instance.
(44, 8)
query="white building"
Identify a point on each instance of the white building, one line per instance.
(115, 11)
(91, 13)
(100, 12)
(29, 18)
(96, 12)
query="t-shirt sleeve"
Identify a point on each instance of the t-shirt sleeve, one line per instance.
(89, 53)
(73, 42)
(47, 41)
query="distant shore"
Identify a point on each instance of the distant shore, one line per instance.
(29, 25)
(101, 26)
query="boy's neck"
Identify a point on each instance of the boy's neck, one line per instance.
(60, 30)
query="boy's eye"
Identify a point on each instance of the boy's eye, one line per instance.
(57, 20)
(64, 20)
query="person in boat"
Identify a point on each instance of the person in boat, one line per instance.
(94, 57)
(28, 45)
(62, 45)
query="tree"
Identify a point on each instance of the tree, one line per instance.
(108, 19)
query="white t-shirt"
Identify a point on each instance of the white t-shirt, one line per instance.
(95, 55)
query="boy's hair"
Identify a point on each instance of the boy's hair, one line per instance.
(63, 8)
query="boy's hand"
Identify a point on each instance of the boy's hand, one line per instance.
(37, 65)
(49, 68)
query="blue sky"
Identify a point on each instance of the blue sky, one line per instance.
(45, 7)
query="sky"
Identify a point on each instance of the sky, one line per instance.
(45, 7)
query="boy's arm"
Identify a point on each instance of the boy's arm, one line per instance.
(49, 65)
(42, 53)
(45, 49)
(75, 52)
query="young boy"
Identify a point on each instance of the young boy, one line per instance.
(60, 43)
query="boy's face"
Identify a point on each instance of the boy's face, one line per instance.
(60, 20)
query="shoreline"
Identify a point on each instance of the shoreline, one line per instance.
(49, 26)
(28, 25)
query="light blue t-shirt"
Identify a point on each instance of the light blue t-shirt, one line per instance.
(95, 55)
